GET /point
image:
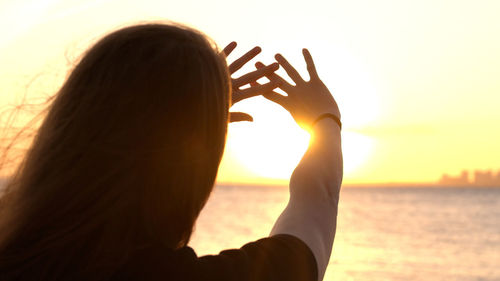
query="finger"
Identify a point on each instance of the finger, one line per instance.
(255, 90)
(237, 64)
(277, 98)
(255, 75)
(273, 96)
(229, 48)
(282, 83)
(311, 68)
(289, 69)
(239, 116)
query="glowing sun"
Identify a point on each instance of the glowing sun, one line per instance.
(272, 146)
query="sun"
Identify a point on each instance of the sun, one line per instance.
(272, 145)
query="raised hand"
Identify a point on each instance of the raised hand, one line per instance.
(249, 78)
(305, 101)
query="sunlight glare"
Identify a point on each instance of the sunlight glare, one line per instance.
(266, 146)
(352, 84)
(272, 146)
(356, 149)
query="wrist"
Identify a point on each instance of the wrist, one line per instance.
(327, 117)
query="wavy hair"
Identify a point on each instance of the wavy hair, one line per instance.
(126, 156)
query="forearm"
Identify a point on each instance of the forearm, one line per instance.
(311, 213)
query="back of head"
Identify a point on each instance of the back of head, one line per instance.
(127, 155)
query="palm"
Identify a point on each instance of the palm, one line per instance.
(306, 100)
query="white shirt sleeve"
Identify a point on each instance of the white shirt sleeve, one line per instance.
(311, 213)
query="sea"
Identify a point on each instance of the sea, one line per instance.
(394, 233)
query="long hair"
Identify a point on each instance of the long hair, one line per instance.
(125, 158)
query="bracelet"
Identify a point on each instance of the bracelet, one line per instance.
(327, 115)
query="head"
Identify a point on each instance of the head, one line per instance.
(127, 154)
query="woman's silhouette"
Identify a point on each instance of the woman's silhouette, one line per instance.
(128, 154)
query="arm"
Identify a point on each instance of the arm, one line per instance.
(311, 212)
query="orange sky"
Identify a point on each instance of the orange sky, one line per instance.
(417, 81)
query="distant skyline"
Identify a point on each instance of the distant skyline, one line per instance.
(484, 178)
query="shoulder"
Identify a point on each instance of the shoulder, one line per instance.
(153, 263)
(279, 257)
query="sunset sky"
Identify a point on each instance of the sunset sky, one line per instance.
(417, 82)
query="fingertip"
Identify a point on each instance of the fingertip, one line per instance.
(247, 118)
(239, 117)
(278, 56)
(306, 52)
(257, 49)
(231, 45)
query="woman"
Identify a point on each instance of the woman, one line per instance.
(128, 154)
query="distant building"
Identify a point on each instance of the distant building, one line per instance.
(464, 177)
(461, 180)
(486, 178)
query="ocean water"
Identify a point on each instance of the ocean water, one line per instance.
(382, 233)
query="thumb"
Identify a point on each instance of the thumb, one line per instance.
(239, 116)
